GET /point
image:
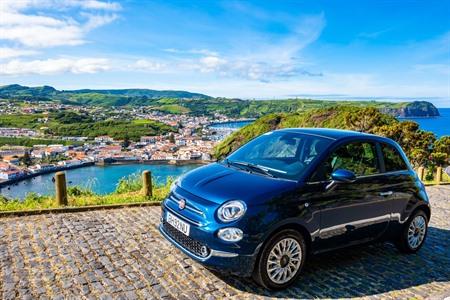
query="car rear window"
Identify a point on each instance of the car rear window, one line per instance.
(393, 161)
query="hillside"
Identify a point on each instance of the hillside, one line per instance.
(71, 124)
(417, 144)
(181, 102)
(116, 97)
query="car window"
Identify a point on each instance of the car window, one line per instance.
(277, 148)
(358, 157)
(284, 154)
(393, 161)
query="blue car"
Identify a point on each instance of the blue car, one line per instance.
(291, 193)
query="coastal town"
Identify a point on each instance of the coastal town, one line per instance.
(193, 139)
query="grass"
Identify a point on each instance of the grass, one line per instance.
(445, 180)
(129, 190)
(173, 109)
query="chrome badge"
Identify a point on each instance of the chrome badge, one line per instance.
(182, 204)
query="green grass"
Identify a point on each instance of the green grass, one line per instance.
(173, 109)
(21, 121)
(129, 190)
(445, 180)
(71, 124)
(142, 121)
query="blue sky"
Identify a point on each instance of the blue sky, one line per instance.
(247, 49)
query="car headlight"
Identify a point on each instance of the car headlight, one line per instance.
(231, 211)
(230, 234)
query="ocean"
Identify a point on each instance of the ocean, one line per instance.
(439, 125)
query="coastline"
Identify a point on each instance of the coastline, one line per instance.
(28, 176)
(155, 162)
(232, 121)
(10, 182)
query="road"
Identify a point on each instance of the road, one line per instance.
(120, 254)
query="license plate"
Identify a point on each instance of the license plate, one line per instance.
(178, 224)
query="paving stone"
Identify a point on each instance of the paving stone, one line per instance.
(119, 254)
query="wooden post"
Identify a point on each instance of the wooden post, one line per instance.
(147, 183)
(438, 175)
(420, 172)
(61, 189)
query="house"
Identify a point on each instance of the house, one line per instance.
(53, 150)
(11, 159)
(148, 139)
(12, 174)
(42, 168)
(13, 151)
(104, 139)
(70, 163)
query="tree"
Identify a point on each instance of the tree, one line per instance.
(26, 159)
(172, 138)
(126, 142)
(366, 119)
(441, 151)
(416, 143)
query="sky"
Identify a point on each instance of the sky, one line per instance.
(382, 49)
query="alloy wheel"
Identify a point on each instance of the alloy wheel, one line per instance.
(284, 260)
(416, 231)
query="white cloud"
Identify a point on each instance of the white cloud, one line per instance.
(6, 52)
(41, 29)
(16, 5)
(54, 66)
(212, 63)
(260, 58)
(267, 60)
(147, 65)
(94, 4)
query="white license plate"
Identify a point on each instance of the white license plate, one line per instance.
(178, 224)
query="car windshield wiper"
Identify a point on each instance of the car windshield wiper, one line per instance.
(247, 165)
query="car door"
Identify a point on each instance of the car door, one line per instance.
(352, 212)
(399, 181)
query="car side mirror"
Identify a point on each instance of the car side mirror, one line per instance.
(341, 176)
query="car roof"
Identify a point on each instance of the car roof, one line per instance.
(335, 134)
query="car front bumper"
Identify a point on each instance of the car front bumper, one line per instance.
(223, 261)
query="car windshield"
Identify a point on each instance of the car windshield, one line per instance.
(279, 154)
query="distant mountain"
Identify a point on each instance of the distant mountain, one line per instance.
(155, 94)
(16, 90)
(199, 104)
(24, 92)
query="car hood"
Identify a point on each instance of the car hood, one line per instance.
(219, 183)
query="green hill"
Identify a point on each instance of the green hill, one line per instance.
(199, 104)
(72, 124)
(110, 97)
(418, 144)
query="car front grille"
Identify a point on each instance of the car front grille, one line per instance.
(191, 245)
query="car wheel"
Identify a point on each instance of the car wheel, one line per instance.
(414, 233)
(281, 260)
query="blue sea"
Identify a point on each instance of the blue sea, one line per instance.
(100, 179)
(439, 125)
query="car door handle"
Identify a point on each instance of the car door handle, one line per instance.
(385, 194)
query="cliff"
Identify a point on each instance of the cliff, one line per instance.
(412, 109)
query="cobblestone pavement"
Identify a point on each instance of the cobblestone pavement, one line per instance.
(120, 254)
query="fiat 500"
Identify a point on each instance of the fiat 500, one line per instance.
(293, 192)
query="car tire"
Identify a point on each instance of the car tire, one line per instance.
(414, 233)
(285, 253)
